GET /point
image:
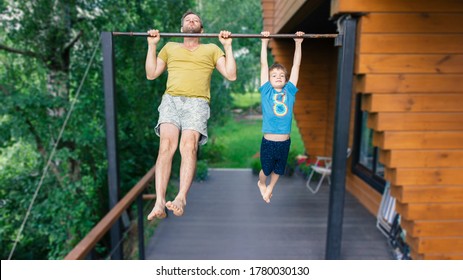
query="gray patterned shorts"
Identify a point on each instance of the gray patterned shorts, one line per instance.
(185, 113)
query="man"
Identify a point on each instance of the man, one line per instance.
(184, 108)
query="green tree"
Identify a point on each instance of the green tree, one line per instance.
(239, 16)
(45, 47)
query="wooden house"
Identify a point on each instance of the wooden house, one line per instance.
(407, 106)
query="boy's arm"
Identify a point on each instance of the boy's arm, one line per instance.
(263, 59)
(154, 66)
(297, 59)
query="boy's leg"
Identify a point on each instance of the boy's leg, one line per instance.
(168, 143)
(273, 180)
(188, 150)
(281, 150)
(261, 183)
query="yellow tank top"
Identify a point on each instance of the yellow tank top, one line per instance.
(189, 72)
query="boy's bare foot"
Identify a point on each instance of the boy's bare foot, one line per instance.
(157, 212)
(267, 195)
(176, 206)
(262, 188)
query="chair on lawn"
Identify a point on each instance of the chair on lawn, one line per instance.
(322, 167)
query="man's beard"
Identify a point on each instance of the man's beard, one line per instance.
(192, 29)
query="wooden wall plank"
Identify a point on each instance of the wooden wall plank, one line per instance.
(408, 83)
(435, 244)
(411, 23)
(436, 256)
(403, 121)
(421, 158)
(413, 102)
(311, 125)
(433, 228)
(410, 44)
(315, 116)
(414, 140)
(424, 176)
(424, 194)
(368, 196)
(355, 6)
(409, 63)
(431, 211)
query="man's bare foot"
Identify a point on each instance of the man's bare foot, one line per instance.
(157, 212)
(176, 206)
(262, 188)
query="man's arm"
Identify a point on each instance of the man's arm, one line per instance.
(227, 65)
(297, 59)
(154, 66)
(263, 59)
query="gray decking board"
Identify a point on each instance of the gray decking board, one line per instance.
(227, 219)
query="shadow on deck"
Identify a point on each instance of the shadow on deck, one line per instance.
(226, 219)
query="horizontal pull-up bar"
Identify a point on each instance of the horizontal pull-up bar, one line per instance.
(213, 35)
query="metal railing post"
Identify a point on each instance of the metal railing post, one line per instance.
(111, 138)
(141, 234)
(345, 77)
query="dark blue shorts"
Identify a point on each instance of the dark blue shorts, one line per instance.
(274, 155)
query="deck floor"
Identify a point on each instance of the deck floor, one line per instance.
(226, 219)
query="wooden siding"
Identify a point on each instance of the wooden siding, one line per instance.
(409, 70)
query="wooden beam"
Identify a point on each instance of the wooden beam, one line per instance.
(427, 245)
(436, 256)
(410, 44)
(421, 158)
(412, 102)
(433, 228)
(428, 194)
(410, 83)
(415, 140)
(404, 121)
(430, 211)
(362, 6)
(413, 22)
(424, 176)
(409, 63)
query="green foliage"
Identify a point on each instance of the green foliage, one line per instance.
(256, 165)
(54, 41)
(291, 163)
(239, 16)
(212, 152)
(201, 171)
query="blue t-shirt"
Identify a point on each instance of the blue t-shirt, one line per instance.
(277, 108)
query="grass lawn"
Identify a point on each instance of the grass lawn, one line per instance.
(240, 141)
(245, 100)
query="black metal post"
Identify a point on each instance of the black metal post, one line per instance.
(111, 139)
(141, 235)
(345, 77)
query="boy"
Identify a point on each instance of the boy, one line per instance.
(278, 96)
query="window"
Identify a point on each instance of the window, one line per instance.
(365, 156)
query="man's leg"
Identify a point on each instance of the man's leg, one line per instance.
(168, 143)
(188, 150)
